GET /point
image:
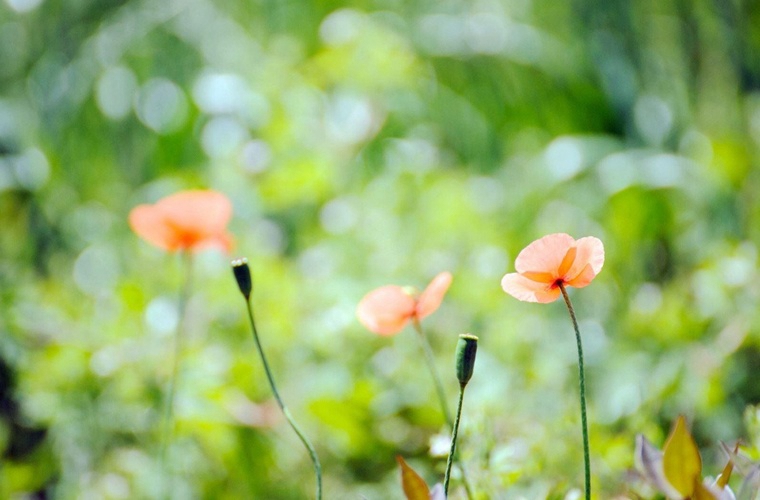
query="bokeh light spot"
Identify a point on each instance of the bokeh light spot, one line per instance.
(22, 6)
(255, 156)
(115, 92)
(564, 158)
(340, 27)
(653, 118)
(338, 216)
(161, 105)
(222, 137)
(161, 315)
(96, 270)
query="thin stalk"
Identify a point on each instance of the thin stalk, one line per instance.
(288, 416)
(171, 390)
(454, 434)
(584, 423)
(430, 359)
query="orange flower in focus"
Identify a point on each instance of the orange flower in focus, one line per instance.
(188, 220)
(388, 309)
(551, 260)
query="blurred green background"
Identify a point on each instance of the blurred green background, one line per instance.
(364, 143)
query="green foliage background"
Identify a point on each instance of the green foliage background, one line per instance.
(365, 143)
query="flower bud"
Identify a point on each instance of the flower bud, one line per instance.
(465, 357)
(243, 276)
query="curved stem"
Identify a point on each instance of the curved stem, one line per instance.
(288, 416)
(454, 434)
(430, 359)
(171, 390)
(586, 454)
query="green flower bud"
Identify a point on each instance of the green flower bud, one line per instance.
(243, 276)
(467, 347)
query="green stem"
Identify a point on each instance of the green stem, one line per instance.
(584, 423)
(171, 390)
(288, 416)
(430, 359)
(454, 434)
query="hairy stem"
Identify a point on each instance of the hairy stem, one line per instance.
(430, 359)
(584, 423)
(171, 390)
(454, 434)
(288, 416)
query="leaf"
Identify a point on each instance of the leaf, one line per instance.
(649, 461)
(742, 464)
(751, 485)
(724, 476)
(414, 486)
(701, 492)
(680, 460)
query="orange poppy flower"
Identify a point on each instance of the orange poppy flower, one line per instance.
(388, 309)
(551, 260)
(188, 220)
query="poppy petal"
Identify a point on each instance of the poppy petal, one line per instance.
(545, 255)
(589, 259)
(200, 217)
(431, 298)
(567, 261)
(149, 224)
(527, 290)
(219, 241)
(186, 220)
(386, 310)
(583, 279)
(545, 278)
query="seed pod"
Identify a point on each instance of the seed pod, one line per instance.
(467, 347)
(243, 276)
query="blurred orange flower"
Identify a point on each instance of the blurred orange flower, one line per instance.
(551, 260)
(188, 220)
(388, 309)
